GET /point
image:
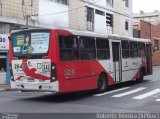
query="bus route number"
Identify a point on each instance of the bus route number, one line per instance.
(69, 72)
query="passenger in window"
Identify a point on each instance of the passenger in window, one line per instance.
(75, 43)
(81, 43)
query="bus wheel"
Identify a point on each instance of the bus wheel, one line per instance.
(102, 83)
(140, 79)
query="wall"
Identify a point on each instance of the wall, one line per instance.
(99, 20)
(155, 34)
(120, 16)
(145, 28)
(150, 31)
(4, 47)
(51, 7)
(77, 17)
(14, 9)
(101, 3)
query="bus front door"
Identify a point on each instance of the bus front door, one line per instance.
(149, 59)
(117, 62)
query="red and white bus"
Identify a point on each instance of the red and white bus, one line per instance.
(58, 60)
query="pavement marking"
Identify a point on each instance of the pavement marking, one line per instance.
(109, 92)
(48, 92)
(147, 94)
(130, 92)
(19, 91)
(158, 100)
(154, 80)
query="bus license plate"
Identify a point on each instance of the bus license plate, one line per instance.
(30, 80)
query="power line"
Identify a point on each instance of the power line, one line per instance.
(70, 10)
(126, 15)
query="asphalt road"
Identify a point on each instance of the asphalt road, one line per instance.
(127, 97)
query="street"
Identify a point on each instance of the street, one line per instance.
(127, 97)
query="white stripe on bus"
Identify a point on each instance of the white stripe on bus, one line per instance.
(147, 94)
(129, 92)
(109, 92)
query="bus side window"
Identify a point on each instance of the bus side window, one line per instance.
(68, 48)
(133, 49)
(103, 51)
(141, 49)
(87, 48)
(125, 49)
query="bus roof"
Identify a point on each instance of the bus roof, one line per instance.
(88, 33)
(115, 37)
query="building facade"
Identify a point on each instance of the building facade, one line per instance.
(152, 17)
(123, 17)
(4, 67)
(151, 31)
(13, 14)
(102, 16)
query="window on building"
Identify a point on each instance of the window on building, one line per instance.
(90, 19)
(2, 65)
(103, 51)
(125, 49)
(109, 23)
(126, 25)
(156, 45)
(141, 49)
(65, 2)
(68, 48)
(126, 3)
(109, 3)
(4, 28)
(133, 49)
(100, 12)
(87, 48)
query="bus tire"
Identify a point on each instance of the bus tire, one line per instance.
(102, 83)
(140, 79)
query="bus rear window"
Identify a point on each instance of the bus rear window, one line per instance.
(30, 43)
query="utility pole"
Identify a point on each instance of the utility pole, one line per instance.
(27, 20)
(1, 4)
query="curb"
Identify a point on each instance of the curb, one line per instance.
(5, 88)
(2, 89)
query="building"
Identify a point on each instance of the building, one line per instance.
(102, 16)
(152, 17)
(123, 17)
(4, 67)
(148, 27)
(13, 15)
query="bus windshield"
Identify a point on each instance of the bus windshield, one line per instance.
(30, 43)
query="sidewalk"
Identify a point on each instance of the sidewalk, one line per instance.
(156, 68)
(4, 87)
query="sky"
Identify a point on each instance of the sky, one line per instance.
(146, 5)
